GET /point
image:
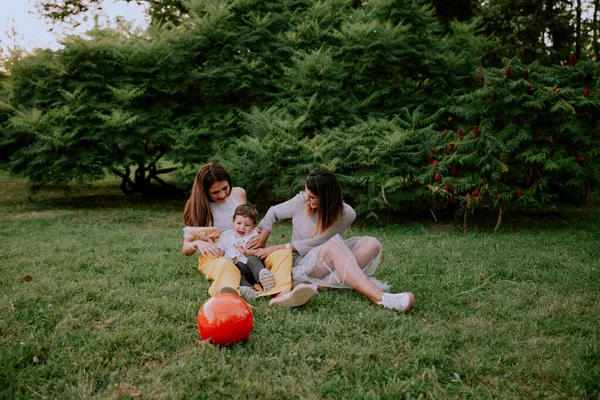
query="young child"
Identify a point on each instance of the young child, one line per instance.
(232, 244)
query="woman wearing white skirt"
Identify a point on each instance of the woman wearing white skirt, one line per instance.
(321, 257)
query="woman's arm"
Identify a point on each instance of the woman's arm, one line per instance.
(206, 247)
(278, 212)
(305, 245)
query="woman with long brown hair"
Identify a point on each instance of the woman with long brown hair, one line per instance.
(212, 203)
(321, 257)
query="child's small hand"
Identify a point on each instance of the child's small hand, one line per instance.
(244, 251)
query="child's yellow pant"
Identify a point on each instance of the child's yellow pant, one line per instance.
(222, 272)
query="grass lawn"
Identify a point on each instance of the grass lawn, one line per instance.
(110, 310)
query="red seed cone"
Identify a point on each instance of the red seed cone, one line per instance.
(454, 170)
(519, 193)
(437, 177)
(476, 131)
(461, 133)
(480, 74)
(452, 146)
(508, 72)
(572, 59)
(586, 92)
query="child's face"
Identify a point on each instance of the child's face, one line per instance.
(242, 226)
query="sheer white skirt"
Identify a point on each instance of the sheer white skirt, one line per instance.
(318, 266)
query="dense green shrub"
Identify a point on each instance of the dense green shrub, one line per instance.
(402, 111)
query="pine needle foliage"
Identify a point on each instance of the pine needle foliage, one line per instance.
(529, 135)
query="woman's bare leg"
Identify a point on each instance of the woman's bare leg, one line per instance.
(337, 256)
(366, 251)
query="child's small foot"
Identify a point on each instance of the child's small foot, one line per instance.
(248, 293)
(266, 279)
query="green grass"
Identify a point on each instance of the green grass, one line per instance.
(111, 308)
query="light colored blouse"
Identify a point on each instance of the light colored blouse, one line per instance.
(223, 213)
(304, 225)
(227, 243)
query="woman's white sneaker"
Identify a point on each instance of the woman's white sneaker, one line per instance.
(301, 293)
(398, 301)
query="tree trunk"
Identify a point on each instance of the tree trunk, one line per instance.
(578, 30)
(499, 221)
(142, 181)
(595, 29)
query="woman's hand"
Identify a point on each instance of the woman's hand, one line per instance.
(258, 241)
(207, 249)
(263, 253)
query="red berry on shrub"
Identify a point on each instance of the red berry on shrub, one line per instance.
(572, 59)
(446, 187)
(461, 133)
(454, 170)
(429, 158)
(579, 159)
(451, 199)
(434, 164)
(437, 177)
(475, 191)
(452, 146)
(476, 131)
(529, 89)
(586, 92)
(508, 72)
(519, 192)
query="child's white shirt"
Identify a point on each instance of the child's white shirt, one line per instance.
(227, 240)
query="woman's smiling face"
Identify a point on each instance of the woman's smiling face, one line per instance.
(312, 199)
(219, 191)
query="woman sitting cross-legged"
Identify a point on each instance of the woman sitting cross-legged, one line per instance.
(212, 203)
(321, 257)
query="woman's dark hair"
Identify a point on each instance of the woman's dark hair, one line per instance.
(197, 209)
(326, 186)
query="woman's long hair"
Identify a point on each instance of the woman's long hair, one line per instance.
(326, 186)
(197, 209)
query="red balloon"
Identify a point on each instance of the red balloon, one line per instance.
(225, 319)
